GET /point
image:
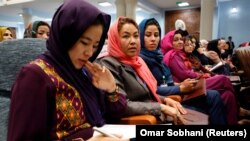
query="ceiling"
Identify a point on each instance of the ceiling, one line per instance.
(46, 8)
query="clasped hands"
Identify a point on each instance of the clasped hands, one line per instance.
(174, 109)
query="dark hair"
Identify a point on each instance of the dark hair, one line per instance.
(126, 20)
(152, 22)
(196, 41)
(37, 25)
(179, 31)
(187, 38)
(183, 33)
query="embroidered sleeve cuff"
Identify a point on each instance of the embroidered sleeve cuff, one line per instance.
(113, 97)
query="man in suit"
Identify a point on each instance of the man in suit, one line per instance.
(231, 45)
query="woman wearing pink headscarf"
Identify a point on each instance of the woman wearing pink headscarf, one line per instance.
(172, 47)
(132, 75)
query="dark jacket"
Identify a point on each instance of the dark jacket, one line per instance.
(140, 100)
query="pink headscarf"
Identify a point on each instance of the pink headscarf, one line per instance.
(170, 51)
(136, 62)
(167, 42)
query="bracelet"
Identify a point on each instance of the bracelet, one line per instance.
(113, 98)
(115, 91)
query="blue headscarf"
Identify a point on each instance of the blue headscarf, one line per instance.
(156, 54)
(154, 57)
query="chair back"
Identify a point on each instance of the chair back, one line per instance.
(14, 54)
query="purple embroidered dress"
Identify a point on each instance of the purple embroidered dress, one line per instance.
(51, 100)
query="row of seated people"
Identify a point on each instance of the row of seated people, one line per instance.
(69, 94)
(36, 29)
(124, 62)
(178, 56)
(214, 52)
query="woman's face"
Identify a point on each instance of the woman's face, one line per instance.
(129, 38)
(7, 35)
(151, 37)
(188, 46)
(193, 42)
(42, 32)
(221, 44)
(86, 45)
(178, 42)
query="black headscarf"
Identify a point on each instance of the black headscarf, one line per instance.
(70, 21)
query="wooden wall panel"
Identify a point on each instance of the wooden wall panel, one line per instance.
(190, 16)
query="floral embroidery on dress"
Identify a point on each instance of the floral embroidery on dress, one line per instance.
(69, 107)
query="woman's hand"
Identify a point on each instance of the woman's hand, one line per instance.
(175, 104)
(201, 50)
(102, 78)
(174, 113)
(187, 85)
(213, 56)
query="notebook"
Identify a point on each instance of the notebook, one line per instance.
(199, 90)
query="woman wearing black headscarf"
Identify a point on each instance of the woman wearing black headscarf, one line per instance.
(52, 99)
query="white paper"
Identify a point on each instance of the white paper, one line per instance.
(127, 131)
(216, 66)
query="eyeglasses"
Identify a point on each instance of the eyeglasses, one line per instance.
(7, 34)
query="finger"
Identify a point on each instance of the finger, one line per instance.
(182, 110)
(180, 119)
(175, 120)
(93, 67)
(97, 67)
(103, 69)
(90, 68)
(179, 108)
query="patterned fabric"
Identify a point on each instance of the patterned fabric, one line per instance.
(67, 28)
(113, 98)
(69, 107)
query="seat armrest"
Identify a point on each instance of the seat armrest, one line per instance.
(146, 119)
(175, 97)
(139, 119)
